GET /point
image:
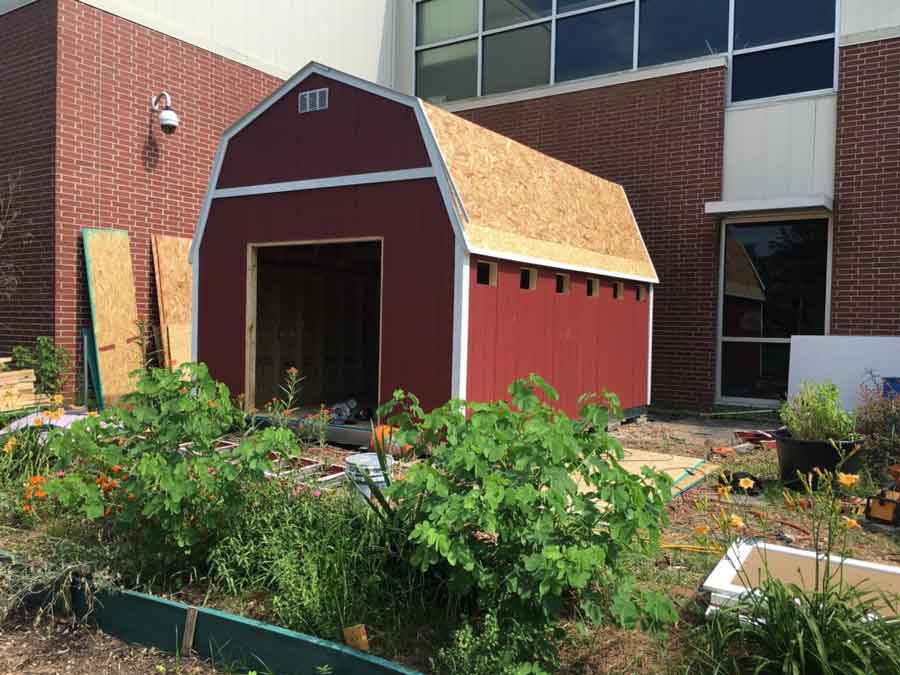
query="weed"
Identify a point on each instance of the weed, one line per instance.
(51, 363)
(815, 414)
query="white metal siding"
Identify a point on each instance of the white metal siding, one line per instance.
(278, 36)
(782, 149)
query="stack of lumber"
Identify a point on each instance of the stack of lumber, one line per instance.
(17, 388)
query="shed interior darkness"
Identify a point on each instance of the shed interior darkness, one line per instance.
(318, 310)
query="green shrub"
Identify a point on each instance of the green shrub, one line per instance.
(878, 420)
(151, 472)
(51, 364)
(522, 508)
(488, 649)
(815, 413)
(324, 558)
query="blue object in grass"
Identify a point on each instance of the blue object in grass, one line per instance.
(891, 387)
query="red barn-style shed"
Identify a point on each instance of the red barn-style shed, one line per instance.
(374, 241)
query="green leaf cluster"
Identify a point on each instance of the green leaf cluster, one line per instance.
(50, 362)
(152, 471)
(815, 413)
(521, 507)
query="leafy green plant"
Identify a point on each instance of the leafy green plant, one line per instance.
(50, 362)
(815, 413)
(280, 408)
(314, 425)
(152, 472)
(878, 420)
(827, 626)
(521, 507)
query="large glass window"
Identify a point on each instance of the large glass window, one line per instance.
(439, 20)
(498, 13)
(448, 73)
(516, 59)
(765, 22)
(786, 70)
(774, 287)
(595, 43)
(672, 30)
(778, 47)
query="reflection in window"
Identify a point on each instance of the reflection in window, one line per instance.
(755, 370)
(787, 70)
(671, 30)
(762, 22)
(595, 43)
(775, 279)
(573, 5)
(516, 59)
(498, 13)
(438, 20)
(447, 73)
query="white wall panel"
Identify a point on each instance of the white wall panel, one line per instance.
(865, 20)
(781, 149)
(278, 36)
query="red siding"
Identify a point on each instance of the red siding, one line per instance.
(866, 258)
(27, 138)
(662, 139)
(417, 293)
(358, 133)
(577, 343)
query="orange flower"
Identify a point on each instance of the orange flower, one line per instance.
(293, 372)
(37, 422)
(183, 390)
(848, 480)
(746, 483)
(101, 479)
(40, 494)
(37, 480)
(736, 522)
(115, 468)
(701, 529)
(10, 444)
(125, 477)
(211, 403)
(851, 523)
(27, 508)
(723, 490)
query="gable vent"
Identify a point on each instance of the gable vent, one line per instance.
(313, 100)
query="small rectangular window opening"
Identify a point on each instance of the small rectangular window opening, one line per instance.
(528, 278)
(315, 99)
(562, 283)
(591, 287)
(486, 273)
(641, 293)
(618, 290)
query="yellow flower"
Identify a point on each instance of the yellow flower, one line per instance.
(848, 480)
(701, 529)
(736, 522)
(57, 399)
(746, 483)
(851, 523)
(92, 413)
(9, 445)
(37, 422)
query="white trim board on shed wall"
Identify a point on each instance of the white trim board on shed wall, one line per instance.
(846, 360)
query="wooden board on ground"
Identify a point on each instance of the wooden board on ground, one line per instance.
(173, 294)
(113, 310)
(685, 472)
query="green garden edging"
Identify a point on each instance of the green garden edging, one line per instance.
(226, 639)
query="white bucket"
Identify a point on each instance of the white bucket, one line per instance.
(367, 464)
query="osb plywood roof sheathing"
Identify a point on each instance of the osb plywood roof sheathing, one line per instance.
(522, 202)
(741, 278)
(113, 310)
(173, 294)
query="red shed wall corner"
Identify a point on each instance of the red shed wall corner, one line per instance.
(577, 343)
(417, 283)
(358, 133)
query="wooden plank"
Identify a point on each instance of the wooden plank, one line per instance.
(250, 337)
(113, 310)
(13, 376)
(173, 290)
(178, 338)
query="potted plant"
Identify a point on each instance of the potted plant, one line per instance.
(818, 433)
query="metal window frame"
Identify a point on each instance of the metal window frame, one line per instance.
(555, 16)
(762, 218)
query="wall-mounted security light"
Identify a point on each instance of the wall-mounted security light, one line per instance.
(168, 118)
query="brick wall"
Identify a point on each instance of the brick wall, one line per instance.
(663, 140)
(866, 255)
(27, 121)
(114, 166)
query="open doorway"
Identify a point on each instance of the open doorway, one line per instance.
(316, 307)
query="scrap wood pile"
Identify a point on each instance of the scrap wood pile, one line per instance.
(17, 388)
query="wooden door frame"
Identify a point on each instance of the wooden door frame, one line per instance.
(250, 323)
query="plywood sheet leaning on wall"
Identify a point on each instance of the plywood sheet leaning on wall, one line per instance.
(173, 294)
(110, 278)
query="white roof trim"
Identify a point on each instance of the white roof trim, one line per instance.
(724, 208)
(597, 82)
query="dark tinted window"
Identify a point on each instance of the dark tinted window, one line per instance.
(672, 30)
(499, 13)
(484, 274)
(595, 43)
(786, 70)
(438, 20)
(761, 22)
(775, 279)
(572, 5)
(447, 73)
(755, 370)
(516, 59)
